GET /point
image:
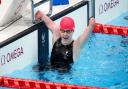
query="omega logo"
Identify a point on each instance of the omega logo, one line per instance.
(5, 58)
(107, 6)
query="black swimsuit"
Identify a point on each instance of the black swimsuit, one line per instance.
(62, 56)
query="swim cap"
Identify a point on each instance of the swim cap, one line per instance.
(67, 23)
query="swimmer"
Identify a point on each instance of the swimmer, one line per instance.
(65, 50)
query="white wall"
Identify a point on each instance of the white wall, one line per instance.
(106, 10)
(19, 54)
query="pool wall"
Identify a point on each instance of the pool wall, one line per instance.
(106, 10)
(19, 53)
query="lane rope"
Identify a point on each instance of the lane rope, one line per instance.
(34, 84)
(111, 29)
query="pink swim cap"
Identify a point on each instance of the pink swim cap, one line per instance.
(67, 23)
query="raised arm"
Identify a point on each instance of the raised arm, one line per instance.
(83, 38)
(49, 23)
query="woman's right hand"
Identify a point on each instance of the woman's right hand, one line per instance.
(38, 15)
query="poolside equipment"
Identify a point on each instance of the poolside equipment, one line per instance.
(60, 2)
(9, 14)
(110, 29)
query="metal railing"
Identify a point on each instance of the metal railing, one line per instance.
(34, 5)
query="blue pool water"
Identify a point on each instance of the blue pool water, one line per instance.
(103, 62)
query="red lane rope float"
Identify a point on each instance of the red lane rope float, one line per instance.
(34, 84)
(1, 81)
(110, 29)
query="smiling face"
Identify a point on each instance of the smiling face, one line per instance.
(66, 36)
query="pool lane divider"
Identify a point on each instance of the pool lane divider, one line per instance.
(35, 84)
(111, 29)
